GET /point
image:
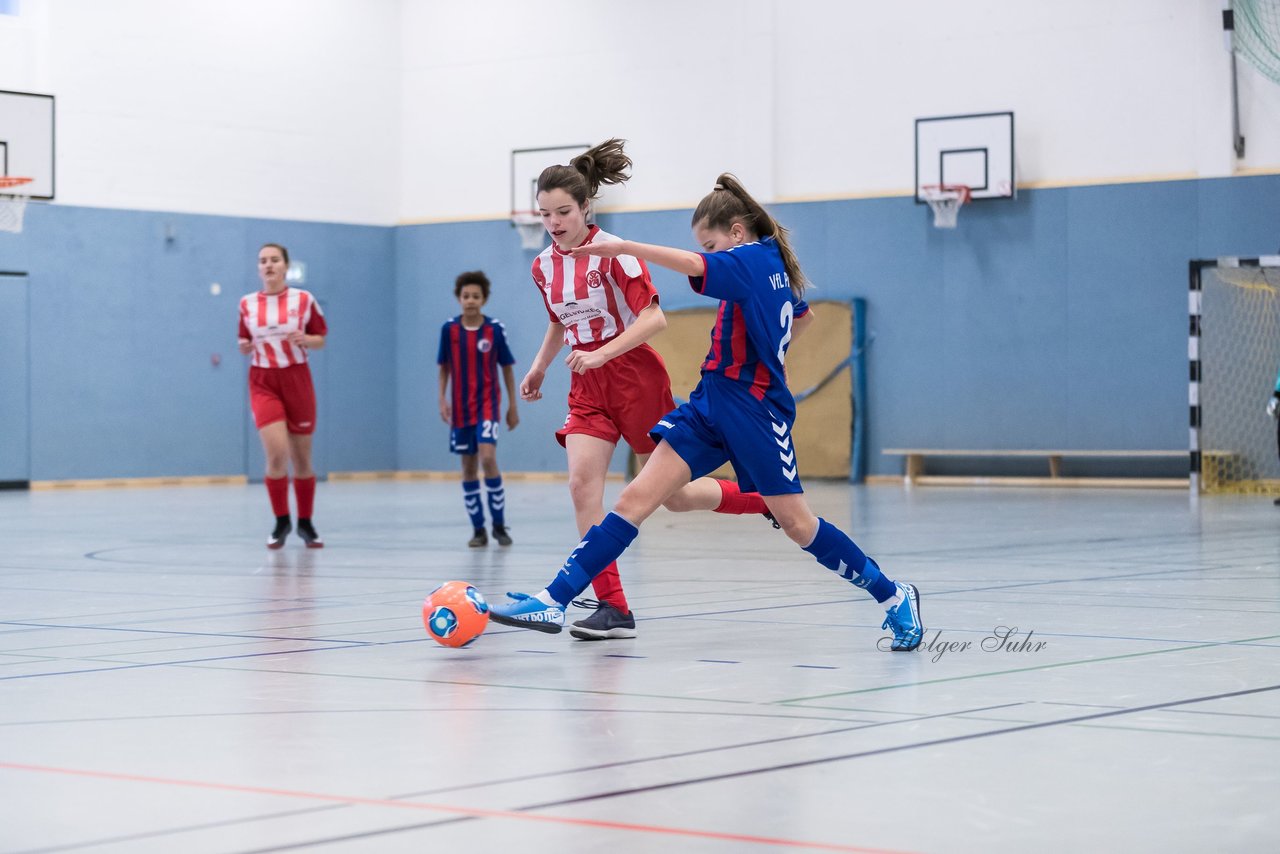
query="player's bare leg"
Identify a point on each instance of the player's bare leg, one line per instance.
(304, 485)
(664, 474)
(275, 446)
(589, 458)
(709, 493)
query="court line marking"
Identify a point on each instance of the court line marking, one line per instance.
(177, 633)
(712, 778)
(859, 725)
(471, 812)
(174, 663)
(920, 682)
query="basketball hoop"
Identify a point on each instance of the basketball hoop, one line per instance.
(13, 204)
(532, 233)
(945, 200)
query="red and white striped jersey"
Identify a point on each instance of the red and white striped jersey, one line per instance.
(267, 319)
(595, 298)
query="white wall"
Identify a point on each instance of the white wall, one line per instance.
(380, 111)
(267, 108)
(815, 98)
(485, 77)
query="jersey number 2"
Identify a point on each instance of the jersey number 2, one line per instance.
(788, 315)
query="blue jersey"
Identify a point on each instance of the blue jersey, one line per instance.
(753, 326)
(473, 357)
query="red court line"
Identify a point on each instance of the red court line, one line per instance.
(352, 800)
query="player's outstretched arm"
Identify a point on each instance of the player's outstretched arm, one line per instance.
(680, 260)
(552, 343)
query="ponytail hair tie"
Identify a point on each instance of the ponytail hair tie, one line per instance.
(718, 187)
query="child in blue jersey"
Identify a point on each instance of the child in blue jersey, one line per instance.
(741, 412)
(472, 348)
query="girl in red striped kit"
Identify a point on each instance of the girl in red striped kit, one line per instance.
(278, 325)
(605, 310)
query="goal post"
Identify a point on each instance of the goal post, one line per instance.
(1233, 351)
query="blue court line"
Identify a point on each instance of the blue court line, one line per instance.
(859, 625)
(174, 663)
(862, 754)
(177, 633)
(773, 715)
(1050, 666)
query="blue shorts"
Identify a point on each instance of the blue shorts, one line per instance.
(757, 442)
(466, 440)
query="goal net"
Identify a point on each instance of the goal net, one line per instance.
(1238, 350)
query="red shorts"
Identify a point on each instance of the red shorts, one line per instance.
(623, 398)
(283, 394)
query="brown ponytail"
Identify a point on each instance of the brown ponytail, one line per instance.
(730, 202)
(606, 163)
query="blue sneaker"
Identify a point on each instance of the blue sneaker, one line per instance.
(528, 612)
(904, 620)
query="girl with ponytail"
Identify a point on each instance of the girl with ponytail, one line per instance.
(741, 412)
(605, 308)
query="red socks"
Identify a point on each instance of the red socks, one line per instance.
(608, 588)
(278, 489)
(736, 502)
(305, 489)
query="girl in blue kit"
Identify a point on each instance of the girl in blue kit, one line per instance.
(748, 265)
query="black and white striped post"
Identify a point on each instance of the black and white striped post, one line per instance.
(1193, 359)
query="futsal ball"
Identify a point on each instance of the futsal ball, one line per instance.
(455, 614)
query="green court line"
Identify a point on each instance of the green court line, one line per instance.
(920, 683)
(1155, 731)
(453, 682)
(1181, 732)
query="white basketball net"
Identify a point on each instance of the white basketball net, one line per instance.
(13, 205)
(945, 203)
(532, 233)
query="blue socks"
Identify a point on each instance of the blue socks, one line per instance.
(471, 497)
(497, 500)
(600, 547)
(834, 550)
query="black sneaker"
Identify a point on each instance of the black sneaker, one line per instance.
(500, 534)
(479, 539)
(772, 521)
(1276, 502)
(607, 623)
(283, 528)
(308, 533)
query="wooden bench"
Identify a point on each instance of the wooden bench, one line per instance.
(915, 474)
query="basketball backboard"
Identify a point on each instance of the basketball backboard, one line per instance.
(26, 141)
(527, 164)
(973, 150)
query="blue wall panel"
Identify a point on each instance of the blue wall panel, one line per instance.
(124, 329)
(429, 259)
(1055, 320)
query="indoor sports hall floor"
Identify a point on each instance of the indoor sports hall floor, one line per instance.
(168, 685)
